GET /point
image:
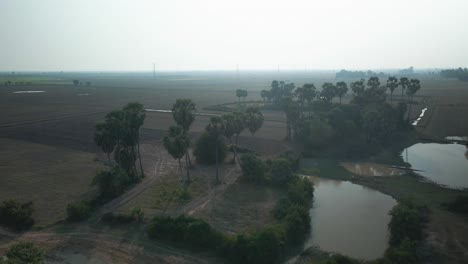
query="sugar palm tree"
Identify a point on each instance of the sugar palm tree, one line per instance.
(392, 84)
(342, 89)
(183, 112)
(216, 129)
(104, 138)
(176, 143)
(135, 116)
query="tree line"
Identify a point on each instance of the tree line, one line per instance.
(460, 74)
(312, 117)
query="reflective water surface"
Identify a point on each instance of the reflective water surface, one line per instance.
(445, 164)
(349, 219)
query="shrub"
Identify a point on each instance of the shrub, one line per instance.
(253, 169)
(78, 211)
(280, 171)
(408, 221)
(16, 215)
(24, 252)
(459, 205)
(205, 149)
(300, 191)
(292, 158)
(135, 215)
(184, 230)
(111, 183)
(404, 253)
(281, 208)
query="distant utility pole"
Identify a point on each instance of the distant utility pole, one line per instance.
(154, 70)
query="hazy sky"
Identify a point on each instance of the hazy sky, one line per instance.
(218, 34)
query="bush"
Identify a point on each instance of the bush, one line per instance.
(24, 252)
(135, 215)
(205, 149)
(404, 253)
(300, 191)
(111, 183)
(184, 230)
(253, 169)
(280, 171)
(16, 215)
(78, 211)
(459, 205)
(292, 158)
(408, 222)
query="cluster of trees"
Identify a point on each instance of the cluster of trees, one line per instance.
(311, 117)
(460, 74)
(241, 93)
(120, 134)
(16, 215)
(266, 246)
(277, 171)
(22, 253)
(177, 142)
(211, 146)
(406, 232)
(344, 74)
(10, 83)
(78, 82)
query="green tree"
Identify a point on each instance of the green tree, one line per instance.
(111, 183)
(404, 82)
(176, 143)
(342, 89)
(16, 215)
(216, 129)
(183, 112)
(253, 119)
(328, 91)
(104, 138)
(253, 168)
(239, 124)
(135, 118)
(413, 86)
(281, 171)
(265, 95)
(392, 84)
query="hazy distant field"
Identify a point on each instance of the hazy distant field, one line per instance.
(54, 129)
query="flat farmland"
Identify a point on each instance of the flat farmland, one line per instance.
(49, 176)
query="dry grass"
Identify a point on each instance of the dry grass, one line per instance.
(242, 208)
(51, 177)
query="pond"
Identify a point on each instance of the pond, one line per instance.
(349, 219)
(444, 164)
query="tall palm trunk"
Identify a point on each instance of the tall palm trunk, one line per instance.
(180, 171)
(139, 153)
(187, 167)
(217, 170)
(391, 98)
(235, 150)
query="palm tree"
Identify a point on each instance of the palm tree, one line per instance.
(254, 119)
(103, 138)
(309, 94)
(239, 94)
(135, 116)
(176, 143)
(413, 86)
(373, 83)
(328, 91)
(229, 121)
(404, 82)
(392, 84)
(216, 129)
(183, 112)
(239, 124)
(342, 89)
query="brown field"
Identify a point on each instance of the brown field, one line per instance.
(49, 176)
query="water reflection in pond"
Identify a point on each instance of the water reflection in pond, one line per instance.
(349, 219)
(445, 164)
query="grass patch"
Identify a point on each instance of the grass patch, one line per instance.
(168, 194)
